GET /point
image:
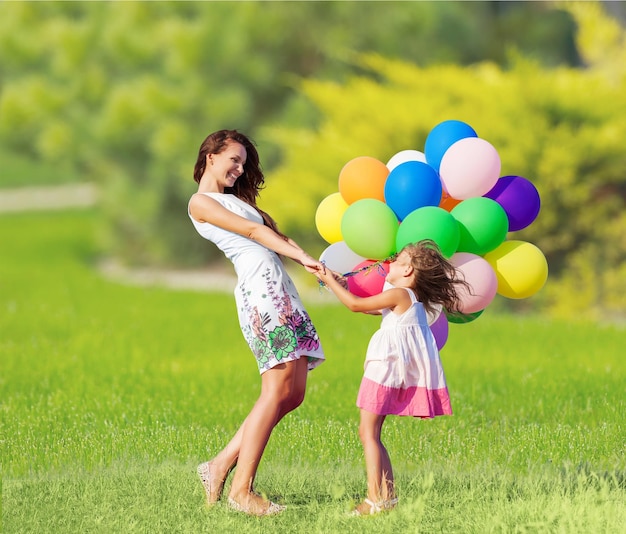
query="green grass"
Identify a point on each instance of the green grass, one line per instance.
(14, 169)
(110, 395)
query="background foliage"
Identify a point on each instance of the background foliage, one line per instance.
(122, 93)
(562, 128)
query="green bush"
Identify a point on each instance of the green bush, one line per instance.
(123, 93)
(561, 128)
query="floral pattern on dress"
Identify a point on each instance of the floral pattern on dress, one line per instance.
(293, 333)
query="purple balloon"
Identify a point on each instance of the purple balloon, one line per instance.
(519, 198)
(440, 330)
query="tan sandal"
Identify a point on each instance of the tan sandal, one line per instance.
(204, 472)
(272, 509)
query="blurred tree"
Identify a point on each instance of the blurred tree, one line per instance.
(124, 92)
(562, 128)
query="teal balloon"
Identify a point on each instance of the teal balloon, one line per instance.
(483, 225)
(429, 222)
(369, 228)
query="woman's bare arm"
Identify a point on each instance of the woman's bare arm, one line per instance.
(206, 209)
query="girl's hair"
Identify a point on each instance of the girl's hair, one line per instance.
(436, 280)
(248, 186)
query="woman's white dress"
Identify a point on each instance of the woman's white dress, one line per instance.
(403, 370)
(272, 317)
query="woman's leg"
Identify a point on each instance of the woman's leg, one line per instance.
(380, 482)
(226, 459)
(282, 390)
(220, 466)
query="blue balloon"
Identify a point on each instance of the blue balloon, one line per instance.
(442, 137)
(412, 185)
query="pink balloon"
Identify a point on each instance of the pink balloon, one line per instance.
(370, 282)
(469, 168)
(440, 330)
(481, 277)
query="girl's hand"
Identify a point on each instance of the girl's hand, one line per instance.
(329, 276)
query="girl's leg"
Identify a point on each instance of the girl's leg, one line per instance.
(380, 482)
(282, 390)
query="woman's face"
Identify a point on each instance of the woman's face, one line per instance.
(227, 166)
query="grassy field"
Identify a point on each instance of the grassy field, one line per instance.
(110, 395)
(21, 172)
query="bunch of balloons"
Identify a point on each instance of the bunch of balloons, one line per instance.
(452, 193)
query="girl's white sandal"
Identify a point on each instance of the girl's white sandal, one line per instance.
(376, 507)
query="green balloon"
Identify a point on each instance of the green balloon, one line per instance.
(483, 225)
(369, 227)
(429, 222)
(462, 318)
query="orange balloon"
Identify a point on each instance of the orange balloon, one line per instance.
(447, 202)
(363, 177)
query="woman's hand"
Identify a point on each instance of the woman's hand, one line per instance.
(341, 279)
(312, 265)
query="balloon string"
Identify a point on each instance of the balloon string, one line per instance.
(366, 269)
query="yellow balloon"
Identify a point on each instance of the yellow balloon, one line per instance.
(521, 268)
(328, 217)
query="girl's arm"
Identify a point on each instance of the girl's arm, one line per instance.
(396, 299)
(207, 209)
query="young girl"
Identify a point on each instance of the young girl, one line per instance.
(403, 372)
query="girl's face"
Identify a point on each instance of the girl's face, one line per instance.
(227, 166)
(399, 268)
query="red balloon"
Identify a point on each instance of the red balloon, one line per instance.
(368, 282)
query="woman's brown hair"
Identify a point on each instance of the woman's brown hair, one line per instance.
(249, 184)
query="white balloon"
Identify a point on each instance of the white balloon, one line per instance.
(433, 317)
(340, 258)
(404, 156)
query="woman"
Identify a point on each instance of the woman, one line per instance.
(271, 315)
